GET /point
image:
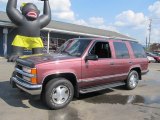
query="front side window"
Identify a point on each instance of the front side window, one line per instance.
(74, 47)
(138, 50)
(101, 49)
(121, 50)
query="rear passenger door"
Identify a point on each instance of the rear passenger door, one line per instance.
(122, 61)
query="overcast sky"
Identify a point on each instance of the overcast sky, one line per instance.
(130, 17)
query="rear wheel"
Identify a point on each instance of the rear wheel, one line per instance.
(58, 93)
(132, 80)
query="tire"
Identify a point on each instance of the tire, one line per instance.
(58, 93)
(132, 80)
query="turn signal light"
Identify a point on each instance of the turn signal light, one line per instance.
(34, 71)
(34, 79)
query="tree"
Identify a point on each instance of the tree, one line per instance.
(155, 47)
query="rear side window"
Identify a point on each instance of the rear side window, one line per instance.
(121, 50)
(138, 50)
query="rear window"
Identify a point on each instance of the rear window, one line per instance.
(138, 50)
(121, 50)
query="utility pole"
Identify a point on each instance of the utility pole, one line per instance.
(146, 43)
(150, 29)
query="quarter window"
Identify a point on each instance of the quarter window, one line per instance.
(138, 50)
(121, 50)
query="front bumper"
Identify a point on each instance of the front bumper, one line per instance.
(25, 86)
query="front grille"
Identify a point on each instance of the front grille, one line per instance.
(18, 66)
(21, 73)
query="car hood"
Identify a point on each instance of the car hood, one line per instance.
(42, 58)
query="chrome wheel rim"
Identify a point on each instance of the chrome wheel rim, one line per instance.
(133, 80)
(60, 94)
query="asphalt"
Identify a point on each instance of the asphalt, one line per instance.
(142, 103)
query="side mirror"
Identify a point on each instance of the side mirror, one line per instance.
(92, 57)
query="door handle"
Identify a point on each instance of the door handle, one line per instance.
(111, 63)
(130, 62)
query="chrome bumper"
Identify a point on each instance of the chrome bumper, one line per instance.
(25, 86)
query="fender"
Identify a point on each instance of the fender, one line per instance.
(135, 66)
(52, 73)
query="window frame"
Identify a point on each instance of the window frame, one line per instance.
(94, 43)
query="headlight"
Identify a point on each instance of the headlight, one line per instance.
(32, 71)
(27, 70)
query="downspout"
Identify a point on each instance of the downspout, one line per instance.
(5, 37)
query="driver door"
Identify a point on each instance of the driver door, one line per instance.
(97, 72)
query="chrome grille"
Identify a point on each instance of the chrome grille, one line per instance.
(22, 74)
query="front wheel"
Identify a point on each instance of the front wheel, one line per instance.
(58, 93)
(132, 80)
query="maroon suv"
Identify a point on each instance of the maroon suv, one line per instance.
(81, 65)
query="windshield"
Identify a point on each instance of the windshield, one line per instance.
(74, 47)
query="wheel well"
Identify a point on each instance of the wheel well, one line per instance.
(69, 76)
(138, 71)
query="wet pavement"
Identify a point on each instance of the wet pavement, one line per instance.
(143, 103)
(124, 99)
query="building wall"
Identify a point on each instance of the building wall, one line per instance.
(63, 36)
(11, 34)
(56, 39)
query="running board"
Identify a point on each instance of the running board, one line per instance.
(102, 87)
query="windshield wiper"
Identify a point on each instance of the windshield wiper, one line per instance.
(65, 52)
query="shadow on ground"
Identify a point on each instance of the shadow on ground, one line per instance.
(14, 97)
(94, 94)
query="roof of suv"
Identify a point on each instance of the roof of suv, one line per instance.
(107, 39)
